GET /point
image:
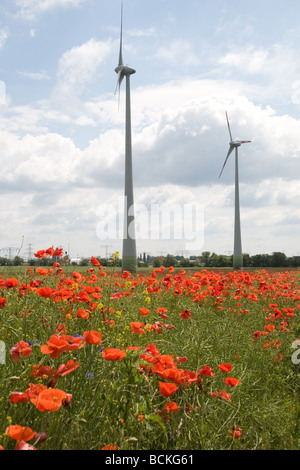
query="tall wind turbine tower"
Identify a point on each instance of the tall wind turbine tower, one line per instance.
(129, 257)
(237, 246)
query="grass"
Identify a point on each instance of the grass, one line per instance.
(119, 402)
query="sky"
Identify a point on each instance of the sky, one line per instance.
(62, 126)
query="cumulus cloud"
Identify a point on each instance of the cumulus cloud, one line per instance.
(29, 9)
(77, 68)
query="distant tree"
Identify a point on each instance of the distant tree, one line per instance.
(17, 261)
(246, 260)
(261, 261)
(156, 263)
(4, 261)
(279, 259)
(170, 260)
(205, 258)
(185, 262)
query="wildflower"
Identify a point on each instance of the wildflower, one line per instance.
(113, 354)
(2, 302)
(92, 337)
(235, 432)
(167, 388)
(57, 344)
(269, 328)
(65, 369)
(11, 282)
(185, 314)
(20, 349)
(42, 371)
(181, 359)
(126, 274)
(50, 399)
(110, 447)
(25, 446)
(206, 370)
(144, 311)
(256, 335)
(18, 397)
(18, 433)
(171, 406)
(232, 381)
(94, 261)
(222, 394)
(225, 367)
(137, 328)
(82, 313)
(45, 292)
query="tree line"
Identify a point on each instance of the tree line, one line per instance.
(205, 259)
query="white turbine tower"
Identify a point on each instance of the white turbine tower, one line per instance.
(237, 246)
(129, 257)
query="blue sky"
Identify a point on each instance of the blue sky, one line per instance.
(62, 135)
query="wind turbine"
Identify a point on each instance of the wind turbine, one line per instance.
(129, 258)
(237, 246)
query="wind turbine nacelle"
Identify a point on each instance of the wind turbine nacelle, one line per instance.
(125, 70)
(235, 143)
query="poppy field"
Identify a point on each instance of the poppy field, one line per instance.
(100, 359)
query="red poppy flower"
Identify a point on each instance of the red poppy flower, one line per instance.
(22, 445)
(92, 337)
(34, 390)
(42, 371)
(2, 302)
(113, 354)
(235, 432)
(144, 311)
(181, 359)
(50, 399)
(58, 252)
(225, 367)
(41, 254)
(82, 313)
(126, 274)
(57, 344)
(11, 282)
(45, 292)
(185, 314)
(19, 432)
(65, 369)
(232, 381)
(94, 261)
(110, 447)
(206, 370)
(269, 328)
(167, 388)
(222, 394)
(171, 406)
(20, 349)
(18, 397)
(137, 328)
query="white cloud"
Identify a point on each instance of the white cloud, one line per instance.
(29, 9)
(4, 35)
(77, 68)
(179, 51)
(43, 75)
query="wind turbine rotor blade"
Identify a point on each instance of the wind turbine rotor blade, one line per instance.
(121, 39)
(245, 141)
(229, 152)
(119, 81)
(228, 126)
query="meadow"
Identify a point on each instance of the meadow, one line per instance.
(96, 359)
